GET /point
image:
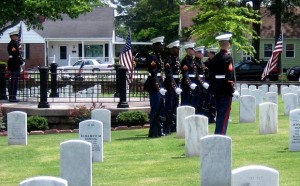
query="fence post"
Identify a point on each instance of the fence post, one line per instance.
(44, 73)
(117, 66)
(53, 70)
(122, 87)
(2, 82)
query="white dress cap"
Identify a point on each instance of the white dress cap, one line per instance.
(16, 32)
(199, 48)
(173, 44)
(158, 39)
(212, 49)
(189, 45)
(224, 37)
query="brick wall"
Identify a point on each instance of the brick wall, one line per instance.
(36, 56)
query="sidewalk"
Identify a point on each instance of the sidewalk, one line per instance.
(58, 112)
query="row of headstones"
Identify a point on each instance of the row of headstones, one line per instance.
(216, 154)
(89, 148)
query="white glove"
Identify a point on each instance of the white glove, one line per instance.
(178, 91)
(162, 91)
(236, 94)
(193, 86)
(205, 85)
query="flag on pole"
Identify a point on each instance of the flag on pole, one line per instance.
(126, 58)
(272, 63)
(20, 32)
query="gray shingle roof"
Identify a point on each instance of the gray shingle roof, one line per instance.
(96, 24)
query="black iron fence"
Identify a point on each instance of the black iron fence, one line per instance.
(75, 85)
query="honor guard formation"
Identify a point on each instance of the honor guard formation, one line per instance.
(207, 86)
(14, 64)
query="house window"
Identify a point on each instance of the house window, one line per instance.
(289, 50)
(246, 57)
(267, 50)
(63, 52)
(27, 51)
(93, 50)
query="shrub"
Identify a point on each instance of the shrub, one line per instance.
(3, 115)
(132, 118)
(37, 123)
(81, 113)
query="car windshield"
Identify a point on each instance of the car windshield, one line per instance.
(78, 63)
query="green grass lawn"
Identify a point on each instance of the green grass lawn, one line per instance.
(133, 159)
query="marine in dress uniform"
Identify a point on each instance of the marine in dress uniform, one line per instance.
(209, 103)
(188, 75)
(200, 90)
(172, 84)
(221, 80)
(14, 64)
(154, 85)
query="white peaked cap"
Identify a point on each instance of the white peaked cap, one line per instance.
(189, 45)
(212, 49)
(158, 40)
(16, 32)
(173, 44)
(199, 48)
(224, 37)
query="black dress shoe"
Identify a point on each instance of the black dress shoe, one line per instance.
(14, 100)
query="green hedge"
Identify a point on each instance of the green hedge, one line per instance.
(131, 118)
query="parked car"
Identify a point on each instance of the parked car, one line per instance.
(293, 73)
(252, 71)
(89, 65)
(24, 75)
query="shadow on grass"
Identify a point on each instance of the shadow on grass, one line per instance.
(136, 137)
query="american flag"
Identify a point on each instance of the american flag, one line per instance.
(126, 58)
(272, 63)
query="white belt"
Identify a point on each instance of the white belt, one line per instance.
(158, 74)
(175, 76)
(191, 75)
(10, 56)
(201, 76)
(220, 76)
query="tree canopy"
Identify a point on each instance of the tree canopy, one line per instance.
(33, 12)
(218, 16)
(148, 19)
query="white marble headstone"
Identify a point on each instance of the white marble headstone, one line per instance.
(252, 87)
(216, 160)
(17, 128)
(196, 128)
(273, 88)
(245, 91)
(247, 109)
(255, 175)
(244, 86)
(264, 88)
(104, 116)
(268, 118)
(258, 94)
(44, 181)
(285, 90)
(294, 88)
(272, 97)
(92, 131)
(182, 113)
(290, 102)
(298, 97)
(294, 143)
(76, 162)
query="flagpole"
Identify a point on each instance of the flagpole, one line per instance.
(281, 65)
